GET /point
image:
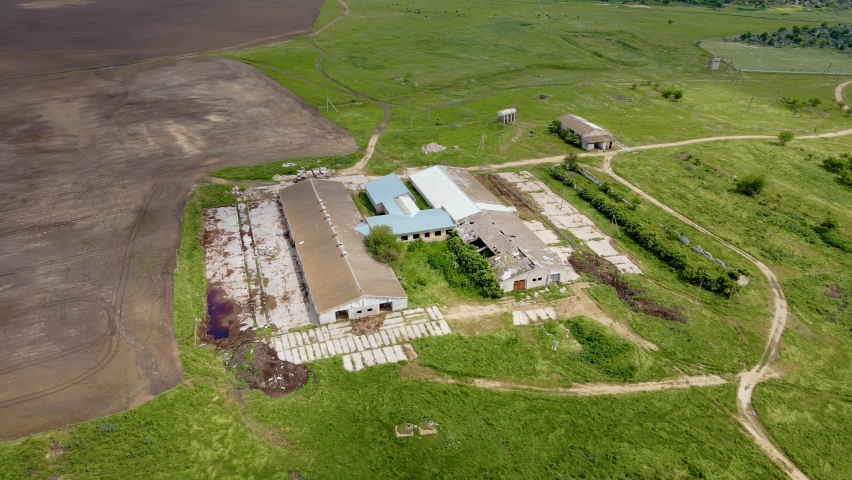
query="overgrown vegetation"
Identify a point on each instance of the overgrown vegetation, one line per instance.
(266, 171)
(824, 36)
(384, 245)
(710, 276)
(841, 165)
(577, 349)
(466, 269)
(751, 184)
(567, 135)
(672, 93)
(786, 136)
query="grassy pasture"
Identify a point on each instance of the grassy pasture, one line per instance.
(445, 76)
(753, 57)
(717, 338)
(803, 411)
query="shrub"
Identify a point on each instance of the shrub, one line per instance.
(751, 185)
(673, 93)
(834, 164)
(465, 268)
(572, 162)
(786, 136)
(383, 245)
(554, 126)
(829, 222)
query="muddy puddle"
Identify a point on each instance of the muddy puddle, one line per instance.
(220, 312)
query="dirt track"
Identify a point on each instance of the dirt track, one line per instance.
(596, 389)
(96, 167)
(838, 93)
(761, 371)
(40, 36)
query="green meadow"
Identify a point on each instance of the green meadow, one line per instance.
(806, 410)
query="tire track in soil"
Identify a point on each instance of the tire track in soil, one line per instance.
(112, 330)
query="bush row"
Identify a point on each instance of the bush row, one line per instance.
(466, 269)
(714, 278)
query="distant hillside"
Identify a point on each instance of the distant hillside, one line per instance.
(838, 37)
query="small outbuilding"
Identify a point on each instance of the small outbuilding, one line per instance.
(343, 280)
(506, 116)
(392, 198)
(591, 136)
(713, 62)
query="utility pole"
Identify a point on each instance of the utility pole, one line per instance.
(749, 103)
(695, 304)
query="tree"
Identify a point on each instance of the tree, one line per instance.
(751, 185)
(383, 245)
(786, 136)
(572, 163)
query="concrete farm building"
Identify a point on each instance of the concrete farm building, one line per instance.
(518, 257)
(342, 278)
(591, 136)
(400, 212)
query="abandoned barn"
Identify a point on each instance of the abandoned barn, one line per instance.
(391, 198)
(342, 278)
(591, 136)
(519, 258)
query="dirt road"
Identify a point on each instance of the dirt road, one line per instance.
(96, 167)
(761, 371)
(595, 389)
(41, 36)
(838, 94)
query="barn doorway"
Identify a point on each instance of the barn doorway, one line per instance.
(520, 285)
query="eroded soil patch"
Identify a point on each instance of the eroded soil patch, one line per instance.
(607, 274)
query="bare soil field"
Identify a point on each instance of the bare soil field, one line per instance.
(96, 167)
(40, 36)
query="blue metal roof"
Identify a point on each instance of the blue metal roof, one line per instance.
(424, 221)
(384, 190)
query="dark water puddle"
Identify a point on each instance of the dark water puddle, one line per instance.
(219, 310)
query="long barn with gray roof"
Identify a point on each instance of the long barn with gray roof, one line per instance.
(342, 278)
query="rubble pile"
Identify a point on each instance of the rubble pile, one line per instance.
(432, 148)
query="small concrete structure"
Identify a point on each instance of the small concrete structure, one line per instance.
(591, 136)
(343, 280)
(713, 62)
(506, 116)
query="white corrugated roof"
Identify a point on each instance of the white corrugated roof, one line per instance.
(441, 192)
(407, 205)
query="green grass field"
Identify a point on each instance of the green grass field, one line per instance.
(804, 411)
(445, 75)
(752, 57)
